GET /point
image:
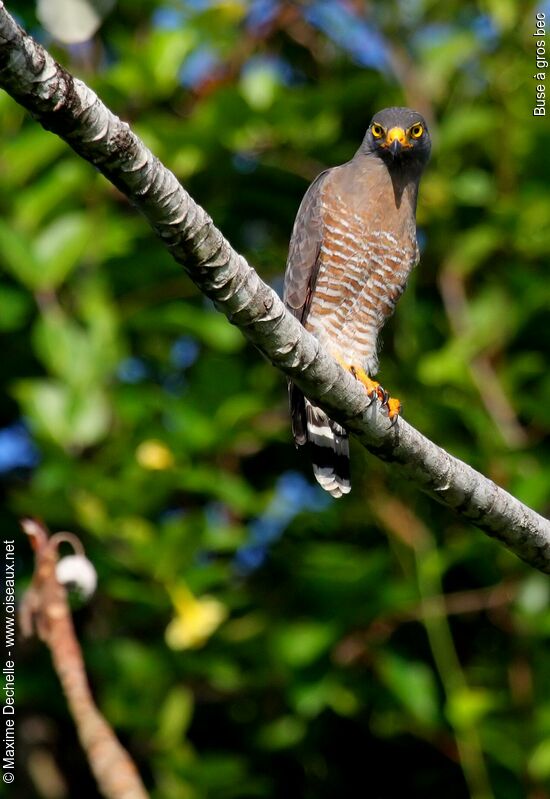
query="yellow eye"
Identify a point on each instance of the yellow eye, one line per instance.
(377, 131)
(417, 131)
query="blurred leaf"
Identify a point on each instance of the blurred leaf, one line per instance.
(218, 772)
(69, 351)
(539, 762)
(66, 417)
(60, 247)
(467, 707)
(443, 53)
(208, 326)
(463, 125)
(474, 187)
(505, 13)
(311, 698)
(49, 192)
(232, 489)
(283, 733)
(474, 246)
(413, 684)
(28, 152)
(18, 256)
(259, 85)
(174, 717)
(54, 253)
(165, 54)
(301, 643)
(16, 308)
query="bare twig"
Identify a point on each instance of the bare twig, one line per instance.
(459, 603)
(44, 609)
(69, 108)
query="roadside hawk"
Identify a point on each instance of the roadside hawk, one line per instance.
(352, 249)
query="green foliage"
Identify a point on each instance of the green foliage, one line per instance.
(250, 637)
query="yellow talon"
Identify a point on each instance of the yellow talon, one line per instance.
(394, 407)
(374, 389)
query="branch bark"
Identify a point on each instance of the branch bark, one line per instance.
(70, 109)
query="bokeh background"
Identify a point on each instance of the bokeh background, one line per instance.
(251, 637)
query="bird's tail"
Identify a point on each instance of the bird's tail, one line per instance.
(327, 440)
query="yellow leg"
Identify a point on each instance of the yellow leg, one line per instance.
(374, 389)
(371, 385)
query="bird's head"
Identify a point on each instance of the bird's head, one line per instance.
(399, 136)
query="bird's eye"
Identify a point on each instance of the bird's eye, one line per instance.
(417, 131)
(377, 131)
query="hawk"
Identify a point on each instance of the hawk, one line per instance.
(352, 249)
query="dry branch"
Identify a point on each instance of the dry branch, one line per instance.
(70, 109)
(44, 609)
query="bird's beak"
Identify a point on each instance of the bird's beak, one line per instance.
(396, 140)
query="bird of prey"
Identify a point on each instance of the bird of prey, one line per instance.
(352, 249)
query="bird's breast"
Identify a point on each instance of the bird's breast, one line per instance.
(364, 261)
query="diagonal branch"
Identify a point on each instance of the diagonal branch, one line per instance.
(70, 109)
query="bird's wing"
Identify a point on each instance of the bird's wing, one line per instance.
(305, 243)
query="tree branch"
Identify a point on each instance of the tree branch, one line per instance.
(70, 109)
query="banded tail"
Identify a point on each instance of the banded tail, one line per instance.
(328, 443)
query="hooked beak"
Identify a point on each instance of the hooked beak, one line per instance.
(396, 140)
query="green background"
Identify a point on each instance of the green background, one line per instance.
(375, 640)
